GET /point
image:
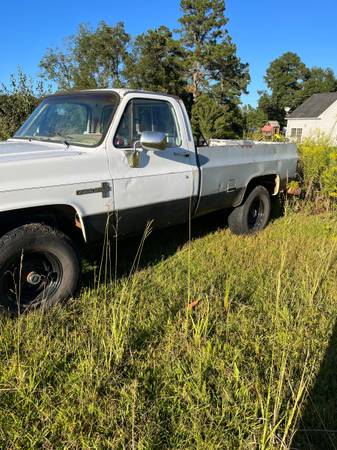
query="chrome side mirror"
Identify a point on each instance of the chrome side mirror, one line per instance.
(153, 140)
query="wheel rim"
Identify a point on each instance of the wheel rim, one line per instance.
(256, 214)
(30, 278)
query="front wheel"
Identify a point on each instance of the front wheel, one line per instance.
(253, 215)
(39, 266)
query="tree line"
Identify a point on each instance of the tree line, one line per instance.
(198, 62)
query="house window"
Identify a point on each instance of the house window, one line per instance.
(296, 133)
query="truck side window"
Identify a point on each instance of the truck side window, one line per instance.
(147, 115)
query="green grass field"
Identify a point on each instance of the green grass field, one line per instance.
(250, 365)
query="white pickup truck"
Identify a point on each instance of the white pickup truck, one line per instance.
(88, 161)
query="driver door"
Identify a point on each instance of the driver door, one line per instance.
(162, 188)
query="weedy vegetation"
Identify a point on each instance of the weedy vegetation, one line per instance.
(212, 342)
(318, 171)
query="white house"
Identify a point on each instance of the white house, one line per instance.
(316, 115)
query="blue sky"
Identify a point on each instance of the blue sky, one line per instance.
(262, 29)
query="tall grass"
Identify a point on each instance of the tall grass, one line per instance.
(215, 346)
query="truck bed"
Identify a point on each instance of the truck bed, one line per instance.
(226, 168)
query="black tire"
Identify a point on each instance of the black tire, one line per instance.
(39, 266)
(253, 215)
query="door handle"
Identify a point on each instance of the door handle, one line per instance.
(182, 154)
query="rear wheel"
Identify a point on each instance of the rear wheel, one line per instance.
(39, 266)
(253, 215)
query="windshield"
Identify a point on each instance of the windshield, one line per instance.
(79, 118)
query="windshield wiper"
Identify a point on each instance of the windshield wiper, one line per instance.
(64, 139)
(46, 138)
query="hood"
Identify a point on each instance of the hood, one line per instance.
(27, 165)
(33, 165)
(20, 149)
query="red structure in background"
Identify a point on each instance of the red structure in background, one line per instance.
(271, 128)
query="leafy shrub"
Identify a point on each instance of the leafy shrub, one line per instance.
(278, 138)
(17, 101)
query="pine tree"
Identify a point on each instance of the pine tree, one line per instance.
(156, 63)
(290, 82)
(211, 119)
(212, 60)
(284, 77)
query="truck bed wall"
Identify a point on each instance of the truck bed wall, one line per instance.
(227, 170)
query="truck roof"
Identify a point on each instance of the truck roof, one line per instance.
(120, 92)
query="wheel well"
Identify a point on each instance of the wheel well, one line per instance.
(267, 181)
(270, 182)
(62, 217)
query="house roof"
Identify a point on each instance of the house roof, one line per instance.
(267, 128)
(314, 106)
(270, 126)
(274, 123)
